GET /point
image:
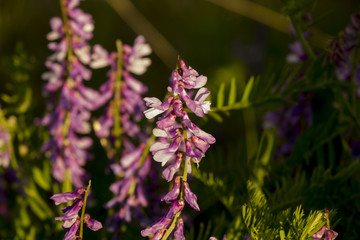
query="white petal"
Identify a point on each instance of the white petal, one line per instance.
(152, 112)
(158, 146)
(206, 106)
(163, 156)
(100, 63)
(200, 81)
(159, 132)
(152, 101)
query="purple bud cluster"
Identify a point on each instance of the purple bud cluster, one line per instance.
(348, 69)
(178, 139)
(297, 52)
(342, 51)
(289, 121)
(70, 217)
(70, 115)
(133, 167)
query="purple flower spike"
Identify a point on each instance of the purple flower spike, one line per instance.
(179, 138)
(68, 196)
(179, 232)
(72, 110)
(92, 223)
(132, 168)
(190, 197)
(174, 193)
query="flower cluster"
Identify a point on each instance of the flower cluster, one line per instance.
(179, 142)
(347, 68)
(70, 115)
(129, 91)
(289, 122)
(120, 125)
(129, 191)
(70, 218)
(342, 51)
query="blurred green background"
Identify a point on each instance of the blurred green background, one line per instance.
(221, 39)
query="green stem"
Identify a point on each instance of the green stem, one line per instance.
(175, 219)
(83, 211)
(67, 31)
(305, 44)
(117, 99)
(282, 232)
(66, 184)
(146, 150)
(70, 81)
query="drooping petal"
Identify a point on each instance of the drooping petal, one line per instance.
(176, 207)
(92, 223)
(170, 171)
(190, 197)
(163, 223)
(174, 193)
(71, 233)
(179, 231)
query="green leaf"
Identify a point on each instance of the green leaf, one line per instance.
(216, 116)
(220, 95)
(40, 179)
(24, 106)
(247, 91)
(313, 224)
(37, 204)
(232, 94)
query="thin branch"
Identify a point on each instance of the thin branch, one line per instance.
(134, 18)
(269, 18)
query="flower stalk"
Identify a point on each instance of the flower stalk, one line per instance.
(83, 211)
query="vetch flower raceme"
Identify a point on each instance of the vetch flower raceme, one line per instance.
(180, 142)
(70, 115)
(119, 127)
(343, 52)
(124, 110)
(343, 56)
(71, 219)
